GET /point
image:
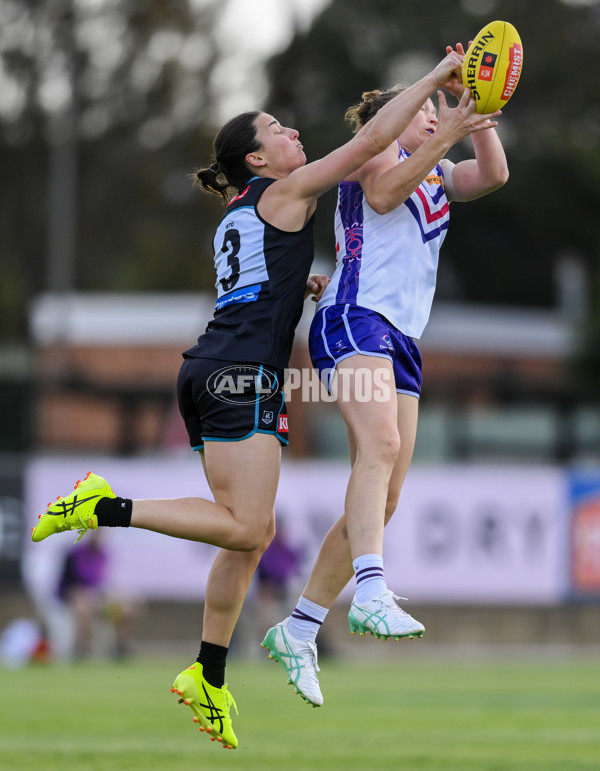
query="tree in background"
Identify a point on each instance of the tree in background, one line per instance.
(137, 79)
(504, 249)
(110, 100)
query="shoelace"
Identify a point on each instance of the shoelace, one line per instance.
(230, 700)
(83, 529)
(83, 526)
(393, 602)
(311, 654)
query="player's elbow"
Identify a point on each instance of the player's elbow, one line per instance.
(382, 204)
(501, 177)
(492, 181)
(383, 209)
(495, 182)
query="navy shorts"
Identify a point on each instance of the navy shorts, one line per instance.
(225, 402)
(340, 331)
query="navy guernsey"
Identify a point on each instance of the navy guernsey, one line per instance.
(261, 279)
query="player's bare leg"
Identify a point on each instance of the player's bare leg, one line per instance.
(373, 424)
(243, 477)
(380, 615)
(202, 685)
(226, 589)
(333, 567)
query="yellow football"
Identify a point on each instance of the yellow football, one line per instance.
(492, 65)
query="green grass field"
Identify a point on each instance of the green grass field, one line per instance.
(529, 715)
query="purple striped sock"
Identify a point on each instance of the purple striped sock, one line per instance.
(306, 619)
(370, 580)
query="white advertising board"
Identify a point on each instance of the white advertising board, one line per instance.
(461, 534)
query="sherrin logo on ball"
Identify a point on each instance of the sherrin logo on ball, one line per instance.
(493, 65)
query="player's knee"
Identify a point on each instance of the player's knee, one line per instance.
(380, 447)
(267, 537)
(247, 539)
(246, 542)
(386, 448)
(270, 532)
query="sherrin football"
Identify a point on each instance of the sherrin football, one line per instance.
(492, 65)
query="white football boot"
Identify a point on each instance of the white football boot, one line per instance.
(383, 617)
(298, 658)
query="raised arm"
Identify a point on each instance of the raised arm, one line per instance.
(387, 183)
(290, 202)
(483, 174)
(488, 170)
(318, 177)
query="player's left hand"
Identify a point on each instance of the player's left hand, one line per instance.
(315, 286)
(454, 84)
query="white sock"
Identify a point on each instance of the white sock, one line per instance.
(370, 581)
(306, 619)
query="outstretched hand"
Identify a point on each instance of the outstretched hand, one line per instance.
(449, 70)
(454, 84)
(462, 120)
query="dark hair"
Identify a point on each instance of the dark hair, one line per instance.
(229, 174)
(370, 104)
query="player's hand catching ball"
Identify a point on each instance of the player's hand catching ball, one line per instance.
(449, 70)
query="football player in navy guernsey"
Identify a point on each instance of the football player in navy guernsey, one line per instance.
(391, 219)
(229, 386)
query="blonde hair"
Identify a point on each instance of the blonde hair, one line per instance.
(371, 102)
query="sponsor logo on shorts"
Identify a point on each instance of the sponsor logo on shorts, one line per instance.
(239, 384)
(282, 424)
(386, 343)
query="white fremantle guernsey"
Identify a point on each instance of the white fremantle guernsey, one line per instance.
(388, 262)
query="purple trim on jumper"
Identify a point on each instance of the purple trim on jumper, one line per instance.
(351, 214)
(431, 234)
(435, 198)
(304, 617)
